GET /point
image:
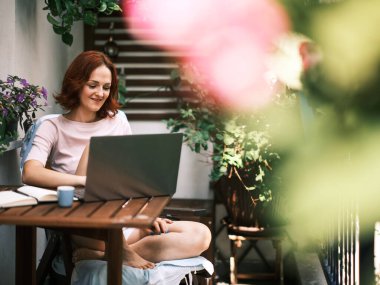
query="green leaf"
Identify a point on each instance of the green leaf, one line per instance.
(90, 18)
(122, 99)
(68, 21)
(67, 38)
(197, 148)
(223, 169)
(103, 7)
(114, 7)
(58, 5)
(219, 136)
(250, 188)
(52, 21)
(59, 30)
(88, 3)
(52, 7)
(228, 140)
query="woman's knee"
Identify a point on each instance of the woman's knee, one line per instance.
(206, 236)
(197, 234)
(202, 236)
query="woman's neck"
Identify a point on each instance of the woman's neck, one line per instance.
(81, 116)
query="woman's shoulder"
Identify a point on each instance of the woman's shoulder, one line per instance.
(48, 121)
(120, 121)
(119, 116)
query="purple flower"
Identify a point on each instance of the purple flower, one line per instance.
(24, 82)
(44, 92)
(5, 112)
(20, 97)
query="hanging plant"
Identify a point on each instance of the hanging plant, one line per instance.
(63, 13)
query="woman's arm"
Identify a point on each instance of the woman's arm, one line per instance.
(82, 165)
(34, 173)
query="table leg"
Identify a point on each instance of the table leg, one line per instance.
(115, 256)
(25, 255)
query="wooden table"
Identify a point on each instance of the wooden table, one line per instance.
(106, 219)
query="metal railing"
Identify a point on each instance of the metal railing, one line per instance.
(340, 248)
(348, 251)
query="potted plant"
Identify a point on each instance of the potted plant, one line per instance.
(19, 101)
(242, 153)
(63, 13)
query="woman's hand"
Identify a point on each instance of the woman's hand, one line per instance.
(160, 225)
(82, 180)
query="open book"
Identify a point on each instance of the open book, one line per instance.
(26, 195)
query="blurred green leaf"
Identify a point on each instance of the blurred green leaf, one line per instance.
(52, 21)
(59, 30)
(90, 18)
(102, 7)
(67, 38)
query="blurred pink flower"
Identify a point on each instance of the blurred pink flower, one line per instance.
(232, 38)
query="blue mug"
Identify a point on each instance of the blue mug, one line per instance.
(65, 196)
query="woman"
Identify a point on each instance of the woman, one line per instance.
(59, 157)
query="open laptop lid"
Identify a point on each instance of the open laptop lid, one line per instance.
(132, 166)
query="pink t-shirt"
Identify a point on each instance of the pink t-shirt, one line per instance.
(61, 141)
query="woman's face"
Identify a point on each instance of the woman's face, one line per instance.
(96, 90)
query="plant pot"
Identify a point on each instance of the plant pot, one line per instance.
(240, 205)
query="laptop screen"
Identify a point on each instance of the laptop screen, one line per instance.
(131, 166)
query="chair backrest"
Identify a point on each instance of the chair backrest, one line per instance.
(29, 137)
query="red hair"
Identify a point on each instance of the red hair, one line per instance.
(79, 73)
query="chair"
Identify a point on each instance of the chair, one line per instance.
(237, 235)
(58, 242)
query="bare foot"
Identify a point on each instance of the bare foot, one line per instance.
(86, 254)
(132, 259)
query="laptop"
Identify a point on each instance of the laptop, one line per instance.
(131, 166)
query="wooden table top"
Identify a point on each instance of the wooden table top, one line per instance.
(137, 212)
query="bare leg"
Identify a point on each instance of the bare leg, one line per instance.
(131, 258)
(86, 248)
(87, 254)
(185, 239)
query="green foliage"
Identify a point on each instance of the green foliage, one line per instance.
(63, 13)
(122, 90)
(241, 142)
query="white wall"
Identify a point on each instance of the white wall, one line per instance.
(40, 55)
(193, 180)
